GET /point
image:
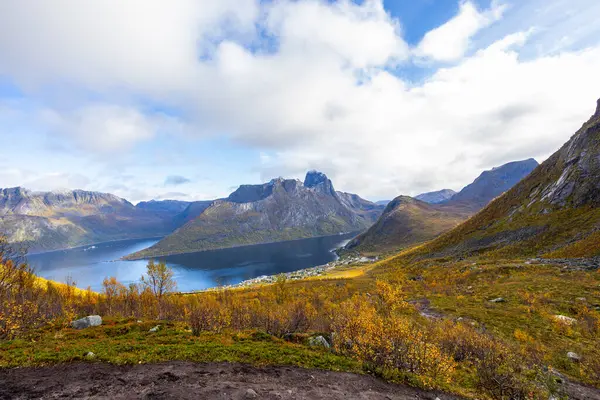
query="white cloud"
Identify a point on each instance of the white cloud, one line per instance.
(103, 128)
(361, 35)
(317, 94)
(147, 45)
(450, 41)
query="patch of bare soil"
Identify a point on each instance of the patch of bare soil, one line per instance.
(185, 380)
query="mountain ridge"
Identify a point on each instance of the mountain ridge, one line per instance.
(45, 221)
(407, 222)
(281, 209)
(554, 212)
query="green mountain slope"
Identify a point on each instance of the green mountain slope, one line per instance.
(407, 221)
(283, 209)
(404, 222)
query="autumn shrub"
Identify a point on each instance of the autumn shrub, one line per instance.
(505, 375)
(396, 343)
(590, 366)
(462, 341)
(588, 321)
(206, 314)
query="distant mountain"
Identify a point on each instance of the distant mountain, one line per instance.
(436, 197)
(193, 209)
(491, 184)
(407, 221)
(61, 219)
(382, 202)
(164, 206)
(282, 209)
(554, 212)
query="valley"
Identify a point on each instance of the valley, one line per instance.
(300, 199)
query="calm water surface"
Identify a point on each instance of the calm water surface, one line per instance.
(88, 266)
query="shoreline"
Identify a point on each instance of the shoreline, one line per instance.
(318, 270)
(157, 257)
(92, 244)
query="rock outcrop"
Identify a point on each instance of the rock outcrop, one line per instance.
(87, 322)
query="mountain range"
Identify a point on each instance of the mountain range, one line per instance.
(407, 221)
(554, 212)
(282, 209)
(55, 220)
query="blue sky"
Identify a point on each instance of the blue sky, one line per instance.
(190, 99)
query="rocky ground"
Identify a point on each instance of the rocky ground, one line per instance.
(184, 380)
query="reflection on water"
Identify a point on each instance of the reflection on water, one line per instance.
(88, 266)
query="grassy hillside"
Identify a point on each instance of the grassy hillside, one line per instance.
(408, 221)
(469, 313)
(405, 222)
(428, 325)
(551, 213)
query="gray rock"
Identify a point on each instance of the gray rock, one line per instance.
(573, 356)
(318, 341)
(251, 394)
(90, 355)
(86, 322)
(155, 329)
(565, 320)
(498, 300)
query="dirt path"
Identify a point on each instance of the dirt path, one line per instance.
(184, 380)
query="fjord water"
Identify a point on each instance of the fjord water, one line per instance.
(89, 265)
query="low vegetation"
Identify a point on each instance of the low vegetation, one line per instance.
(430, 325)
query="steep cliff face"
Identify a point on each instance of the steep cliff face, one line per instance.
(282, 209)
(61, 219)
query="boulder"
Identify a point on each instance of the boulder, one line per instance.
(251, 394)
(318, 341)
(90, 355)
(565, 320)
(86, 322)
(498, 300)
(155, 329)
(573, 356)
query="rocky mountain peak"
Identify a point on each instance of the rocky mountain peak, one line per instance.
(319, 181)
(597, 113)
(313, 178)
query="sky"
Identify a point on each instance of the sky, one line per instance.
(188, 99)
